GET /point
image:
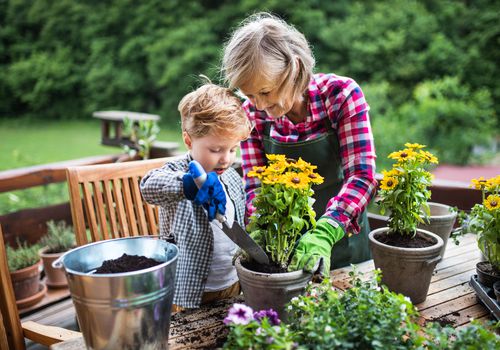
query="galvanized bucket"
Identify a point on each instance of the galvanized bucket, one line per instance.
(123, 310)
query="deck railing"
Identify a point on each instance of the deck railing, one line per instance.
(30, 224)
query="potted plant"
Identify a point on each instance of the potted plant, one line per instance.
(484, 221)
(24, 267)
(59, 239)
(405, 253)
(365, 316)
(283, 211)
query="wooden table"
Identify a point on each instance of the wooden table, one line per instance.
(450, 300)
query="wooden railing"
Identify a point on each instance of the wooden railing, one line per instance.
(30, 224)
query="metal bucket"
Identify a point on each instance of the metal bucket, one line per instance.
(123, 310)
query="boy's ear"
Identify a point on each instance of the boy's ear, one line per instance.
(187, 139)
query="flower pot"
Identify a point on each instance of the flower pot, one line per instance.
(127, 310)
(263, 291)
(486, 275)
(55, 278)
(441, 221)
(26, 282)
(406, 270)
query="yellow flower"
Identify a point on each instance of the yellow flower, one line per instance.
(315, 178)
(403, 156)
(277, 168)
(479, 184)
(257, 171)
(296, 180)
(492, 202)
(414, 145)
(391, 173)
(272, 179)
(302, 165)
(431, 158)
(276, 157)
(388, 183)
(493, 184)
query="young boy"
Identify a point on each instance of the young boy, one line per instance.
(213, 124)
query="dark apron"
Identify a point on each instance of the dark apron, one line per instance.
(324, 153)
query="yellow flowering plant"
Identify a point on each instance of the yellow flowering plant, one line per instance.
(484, 219)
(404, 189)
(283, 205)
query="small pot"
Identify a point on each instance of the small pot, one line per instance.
(485, 274)
(26, 282)
(264, 291)
(56, 278)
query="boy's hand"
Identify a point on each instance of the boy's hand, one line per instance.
(315, 247)
(211, 195)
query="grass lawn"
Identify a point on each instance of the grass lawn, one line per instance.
(26, 143)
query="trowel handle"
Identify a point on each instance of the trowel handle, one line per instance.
(199, 177)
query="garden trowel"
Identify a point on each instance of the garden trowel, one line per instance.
(234, 232)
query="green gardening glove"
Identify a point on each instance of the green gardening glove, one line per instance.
(315, 247)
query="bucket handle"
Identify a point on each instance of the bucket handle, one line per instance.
(57, 264)
(433, 260)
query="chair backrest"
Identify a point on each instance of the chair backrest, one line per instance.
(106, 199)
(10, 315)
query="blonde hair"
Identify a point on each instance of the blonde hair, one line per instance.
(268, 47)
(212, 109)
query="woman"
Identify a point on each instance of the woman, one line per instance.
(322, 118)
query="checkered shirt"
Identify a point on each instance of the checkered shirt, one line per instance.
(341, 100)
(187, 224)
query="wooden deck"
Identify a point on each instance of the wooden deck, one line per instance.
(450, 299)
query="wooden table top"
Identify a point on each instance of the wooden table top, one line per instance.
(450, 298)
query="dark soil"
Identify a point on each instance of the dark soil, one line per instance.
(443, 321)
(487, 268)
(405, 241)
(126, 263)
(258, 267)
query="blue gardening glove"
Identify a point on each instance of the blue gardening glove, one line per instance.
(315, 247)
(211, 194)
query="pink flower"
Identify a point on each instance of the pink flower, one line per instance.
(239, 314)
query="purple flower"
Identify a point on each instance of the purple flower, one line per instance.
(239, 314)
(271, 315)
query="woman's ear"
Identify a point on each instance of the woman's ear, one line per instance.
(187, 140)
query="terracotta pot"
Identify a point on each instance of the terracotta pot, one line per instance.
(441, 221)
(264, 291)
(484, 275)
(26, 282)
(406, 270)
(56, 278)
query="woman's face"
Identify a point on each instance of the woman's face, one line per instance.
(268, 96)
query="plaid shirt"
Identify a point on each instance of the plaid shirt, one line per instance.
(187, 224)
(344, 103)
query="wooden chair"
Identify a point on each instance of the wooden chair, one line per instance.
(106, 199)
(12, 332)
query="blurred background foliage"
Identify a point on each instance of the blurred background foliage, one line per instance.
(429, 68)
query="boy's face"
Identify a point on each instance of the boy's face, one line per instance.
(214, 152)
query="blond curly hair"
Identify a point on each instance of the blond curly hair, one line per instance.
(213, 109)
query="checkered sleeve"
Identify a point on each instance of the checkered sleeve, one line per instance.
(348, 109)
(252, 154)
(163, 186)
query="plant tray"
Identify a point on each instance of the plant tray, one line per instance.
(486, 295)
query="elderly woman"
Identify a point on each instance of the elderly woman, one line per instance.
(322, 118)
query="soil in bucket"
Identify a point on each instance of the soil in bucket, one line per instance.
(126, 263)
(253, 265)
